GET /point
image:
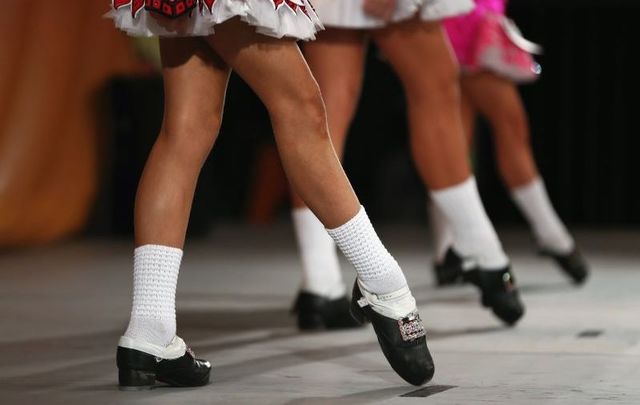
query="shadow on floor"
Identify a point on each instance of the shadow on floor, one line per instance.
(360, 398)
(60, 362)
(547, 288)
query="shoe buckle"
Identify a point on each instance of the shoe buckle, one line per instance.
(468, 264)
(411, 327)
(508, 281)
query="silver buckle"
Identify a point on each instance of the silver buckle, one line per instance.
(411, 327)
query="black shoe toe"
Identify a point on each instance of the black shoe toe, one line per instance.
(403, 342)
(499, 293)
(573, 264)
(449, 271)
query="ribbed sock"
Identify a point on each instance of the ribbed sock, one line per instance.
(155, 276)
(377, 270)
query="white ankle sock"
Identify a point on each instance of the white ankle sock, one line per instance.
(474, 236)
(377, 270)
(321, 273)
(442, 234)
(550, 232)
(155, 276)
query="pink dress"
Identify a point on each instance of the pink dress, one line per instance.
(486, 39)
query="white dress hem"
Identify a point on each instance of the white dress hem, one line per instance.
(299, 22)
(350, 13)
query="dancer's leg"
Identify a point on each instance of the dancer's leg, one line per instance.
(421, 57)
(420, 54)
(499, 101)
(336, 59)
(293, 100)
(440, 228)
(469, 116)
(299, 120)
(195, 82)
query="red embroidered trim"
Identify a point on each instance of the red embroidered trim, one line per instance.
(207, 3)
(136, 5)
(174, 8)
(170, 8)
(293, 6)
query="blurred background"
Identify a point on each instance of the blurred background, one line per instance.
(80, 106)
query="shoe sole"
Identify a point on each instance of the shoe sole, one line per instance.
(138, 380)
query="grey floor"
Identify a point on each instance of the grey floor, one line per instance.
(63, 307)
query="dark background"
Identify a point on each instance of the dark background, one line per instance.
(583, 115)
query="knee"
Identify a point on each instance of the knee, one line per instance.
(343, 97)
(312, 109)
(189, 137)
(303, 109)
(441, 86)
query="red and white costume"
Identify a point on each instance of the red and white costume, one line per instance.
(350, 13)
(276, 18)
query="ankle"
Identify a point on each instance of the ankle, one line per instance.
(376, 268)
(155, 331)
(561, 243)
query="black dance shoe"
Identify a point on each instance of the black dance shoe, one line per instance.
(316, 312)
(450, 271)
(573, 264)
(499, 293)
(403, 341)
(141, 364)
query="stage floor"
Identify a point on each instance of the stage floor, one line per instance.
(63, 307)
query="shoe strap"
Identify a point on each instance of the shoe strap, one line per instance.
(396, 305)
(176, 349)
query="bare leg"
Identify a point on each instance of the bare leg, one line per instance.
(279, 75)
(498, 100)
(293, 100)
(420, 54)
(298, 117)
(441, 230)
(468, 118)
(336, 59)
(421, 57)
(195, 81)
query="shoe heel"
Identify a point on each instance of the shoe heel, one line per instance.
(135, 380)
(358, 314)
